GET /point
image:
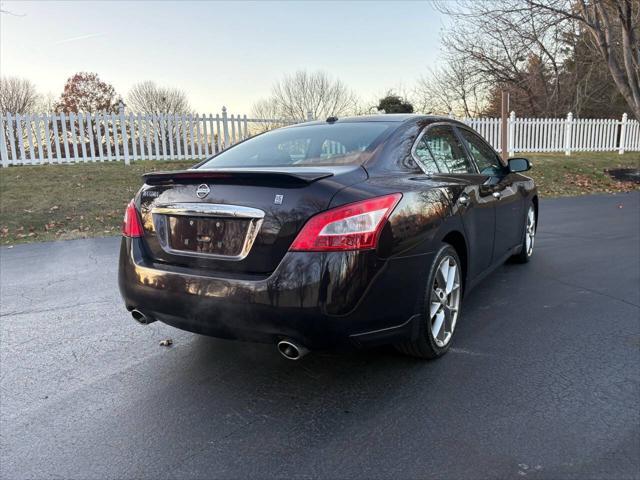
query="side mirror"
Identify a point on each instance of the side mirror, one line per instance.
(519, 165)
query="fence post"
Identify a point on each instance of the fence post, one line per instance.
(4, 153)
(309, 116)
(225, 127)
(123, 129)
(512, 133)
(623, 133)
(451, 115)
(567, 134)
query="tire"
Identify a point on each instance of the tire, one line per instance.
(528, 236)
(433, 307)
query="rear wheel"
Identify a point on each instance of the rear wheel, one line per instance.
(529, 236)
(440, 307)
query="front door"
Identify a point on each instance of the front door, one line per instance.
(500, 184)
(509, 215)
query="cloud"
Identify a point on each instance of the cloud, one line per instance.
(81, 37)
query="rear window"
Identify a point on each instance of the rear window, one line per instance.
(326, 144)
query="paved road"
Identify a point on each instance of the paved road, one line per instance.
(543, 382)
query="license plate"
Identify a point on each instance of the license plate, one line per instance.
(217, 236)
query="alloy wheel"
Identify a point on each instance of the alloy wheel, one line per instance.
(445, 301)
(530, 232)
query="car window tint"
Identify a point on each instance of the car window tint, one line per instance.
(448, 153)
(486, 158)
(333, 148)
(305, 145)
(424, 157)
(294, 150)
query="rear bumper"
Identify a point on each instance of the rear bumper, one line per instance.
(322, 300)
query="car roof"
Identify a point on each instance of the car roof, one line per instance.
(388, 118)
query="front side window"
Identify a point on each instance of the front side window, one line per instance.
(309, 145)
(448, 153)
(485, 157)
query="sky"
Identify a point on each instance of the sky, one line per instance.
(220, 53)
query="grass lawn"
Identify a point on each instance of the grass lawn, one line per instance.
(580, 173)
(56, 202)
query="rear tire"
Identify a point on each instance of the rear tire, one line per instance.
(439, 307)
(528, 237)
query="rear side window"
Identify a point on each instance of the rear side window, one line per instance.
(446, 150)
(486, 158)
(424, 157)
(322, 144)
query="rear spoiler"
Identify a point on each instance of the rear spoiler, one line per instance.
(239, 176)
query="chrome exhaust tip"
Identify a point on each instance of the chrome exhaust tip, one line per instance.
(291, 350)
(141, 318)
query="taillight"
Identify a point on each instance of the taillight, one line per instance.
(131, 226)
(355, 226)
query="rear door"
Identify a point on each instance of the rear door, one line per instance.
(441, 153)
(501, 184)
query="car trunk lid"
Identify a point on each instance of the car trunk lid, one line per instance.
(234, 220)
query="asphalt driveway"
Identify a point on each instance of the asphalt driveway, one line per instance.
(543, 382)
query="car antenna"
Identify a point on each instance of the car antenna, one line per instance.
(332, 119)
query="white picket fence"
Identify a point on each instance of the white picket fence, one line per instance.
(99, 137)
(59, 138)
(561, 134)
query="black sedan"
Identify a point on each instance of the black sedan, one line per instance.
(329, 234)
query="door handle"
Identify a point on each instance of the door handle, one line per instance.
(497, 195)
(463, 199)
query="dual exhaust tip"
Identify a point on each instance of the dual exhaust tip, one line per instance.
(287, 348)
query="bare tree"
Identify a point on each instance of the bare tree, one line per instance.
(369, 106)
(46, 103)
(147, 97)
(267, 111)
(595, 93)
(17, 95)
(497, 40)
(454, 87)
(162, 102)
(316, 92)
(522, 45)
(613, 26)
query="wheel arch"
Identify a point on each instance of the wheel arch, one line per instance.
(456, 239)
